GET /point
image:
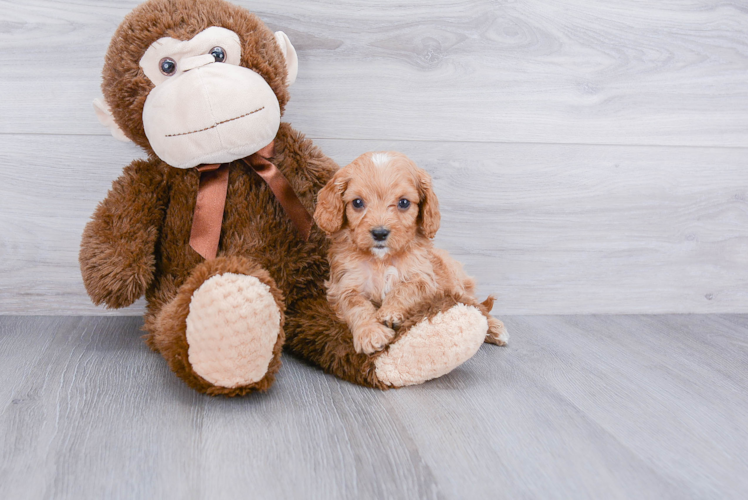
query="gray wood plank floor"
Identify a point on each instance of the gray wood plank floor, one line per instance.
(576, 407)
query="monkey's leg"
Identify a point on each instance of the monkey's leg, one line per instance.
(223, 331)
(438, 338)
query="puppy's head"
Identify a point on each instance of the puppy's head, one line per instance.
(382, 200)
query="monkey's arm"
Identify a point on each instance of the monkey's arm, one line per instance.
(304, 160)
(117, 249)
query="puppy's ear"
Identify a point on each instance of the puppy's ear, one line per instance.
(429, 217)
(330, 207)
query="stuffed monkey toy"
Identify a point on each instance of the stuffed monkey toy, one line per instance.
(213, 227)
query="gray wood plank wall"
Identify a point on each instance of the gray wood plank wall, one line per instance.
(590, 157)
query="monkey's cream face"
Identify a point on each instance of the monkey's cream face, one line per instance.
(206, 107)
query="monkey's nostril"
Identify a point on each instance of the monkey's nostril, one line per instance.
(380, 233)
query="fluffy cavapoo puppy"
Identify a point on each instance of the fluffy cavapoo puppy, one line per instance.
(381, 214)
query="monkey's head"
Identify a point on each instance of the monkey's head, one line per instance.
(196, 81)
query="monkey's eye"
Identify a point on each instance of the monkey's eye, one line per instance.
(403, 204)
(218, 54)
(358, 203)
(168, 66)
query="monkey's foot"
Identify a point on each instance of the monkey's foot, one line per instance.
(433, 347)
(232, 329)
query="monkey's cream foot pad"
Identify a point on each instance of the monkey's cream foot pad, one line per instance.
(433, 347)
(232, 327)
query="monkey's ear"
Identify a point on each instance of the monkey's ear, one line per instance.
(429, 218)
(289, 53)
(330, 207)
(104, 114)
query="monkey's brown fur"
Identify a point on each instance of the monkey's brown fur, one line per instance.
(126, 87)
(138, 239)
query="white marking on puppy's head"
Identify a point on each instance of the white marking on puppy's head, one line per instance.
(380, 159)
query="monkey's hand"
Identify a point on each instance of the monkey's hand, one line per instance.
(118, 245)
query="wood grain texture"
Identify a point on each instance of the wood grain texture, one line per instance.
(612, 72)
(481, 93)
(576, 407)
(549, 228)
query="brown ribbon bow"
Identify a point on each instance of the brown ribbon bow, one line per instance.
(211, 199)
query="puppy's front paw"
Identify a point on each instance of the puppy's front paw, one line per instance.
(497, 333)
(372, 337)
(390, 318)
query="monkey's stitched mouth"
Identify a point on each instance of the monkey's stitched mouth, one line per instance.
(217, 124)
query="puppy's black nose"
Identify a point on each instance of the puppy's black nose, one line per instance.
(380, 233)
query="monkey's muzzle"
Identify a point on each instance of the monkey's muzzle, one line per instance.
(212, 113)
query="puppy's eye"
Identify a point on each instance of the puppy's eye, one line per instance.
(358, 203)
(403, 204)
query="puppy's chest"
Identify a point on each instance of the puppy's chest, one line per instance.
(379, 281)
